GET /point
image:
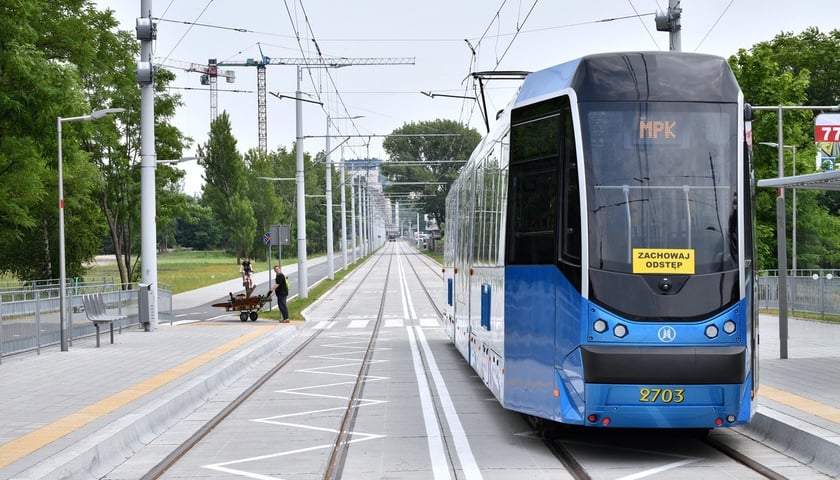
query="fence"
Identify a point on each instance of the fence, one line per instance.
(816, 292)
(29, 315)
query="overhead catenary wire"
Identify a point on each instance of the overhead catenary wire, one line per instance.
(639, 16)
(715, 24)
(184, 35)
(316, 45)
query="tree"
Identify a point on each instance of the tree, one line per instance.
(107, 72)
(792, 70)
(225, 188)
(196, 227)
(64, 58)
(281, 164)
(269, 208)
(434, 160)
(39, 82)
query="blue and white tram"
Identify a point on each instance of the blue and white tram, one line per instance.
(599, 246)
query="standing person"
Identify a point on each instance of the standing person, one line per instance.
(281, 289)
(247, 279)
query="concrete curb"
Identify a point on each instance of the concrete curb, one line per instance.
(807, 443)
(104, 450)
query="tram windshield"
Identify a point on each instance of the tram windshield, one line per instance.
(661, 186)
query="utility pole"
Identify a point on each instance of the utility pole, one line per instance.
(303, 286)
(670, 22)
(328, 192)
(353, 214)
(146, 33)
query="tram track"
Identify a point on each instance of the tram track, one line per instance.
(744, 459)
(182, 449)
(333, 467)
(429, 262)
(681, 449)
(454, 454)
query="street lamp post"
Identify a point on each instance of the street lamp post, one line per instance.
(328, 192)
(62, 267)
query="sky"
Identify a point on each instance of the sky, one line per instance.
(443, 41)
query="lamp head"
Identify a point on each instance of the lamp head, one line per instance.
(101, 113)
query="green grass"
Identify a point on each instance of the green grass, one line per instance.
(436, 256)
(186, 270)
(297, 305)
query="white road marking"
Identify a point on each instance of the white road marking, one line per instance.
(433, 436)
(462, 444)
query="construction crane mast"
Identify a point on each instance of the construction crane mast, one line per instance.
(209, 76)
(263, 62)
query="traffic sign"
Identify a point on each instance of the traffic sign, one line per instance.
(281, 234)
(267, 238)
(827, 128)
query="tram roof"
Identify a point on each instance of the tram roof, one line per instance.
(635, 76)
(811, 181)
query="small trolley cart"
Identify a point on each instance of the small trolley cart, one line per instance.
(247, 306)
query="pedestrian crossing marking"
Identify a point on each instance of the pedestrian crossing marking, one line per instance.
(324, 325)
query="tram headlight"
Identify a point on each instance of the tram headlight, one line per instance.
(712, 331)
(729, 327)
(600, 325)
(620, 331)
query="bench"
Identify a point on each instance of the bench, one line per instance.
(98, 314)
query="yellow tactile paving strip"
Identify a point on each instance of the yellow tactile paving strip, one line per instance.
(800, 403)
(25, 445)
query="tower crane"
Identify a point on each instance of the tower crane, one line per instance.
(209, 76)
(263, 62)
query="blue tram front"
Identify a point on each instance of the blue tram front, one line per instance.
(627, 247)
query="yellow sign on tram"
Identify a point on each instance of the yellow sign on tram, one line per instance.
(668, 261)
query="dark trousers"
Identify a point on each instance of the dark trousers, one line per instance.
(284, 309)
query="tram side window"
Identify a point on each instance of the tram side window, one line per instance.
(488, 195)
(533, 198)
(571, 238)
(533, 207)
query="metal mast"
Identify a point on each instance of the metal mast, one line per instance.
(263, 62)
(670, 22)
(209, 76)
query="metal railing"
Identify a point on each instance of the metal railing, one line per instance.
(29, 314)
(816, 292)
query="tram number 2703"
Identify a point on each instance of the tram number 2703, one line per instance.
(661, 395)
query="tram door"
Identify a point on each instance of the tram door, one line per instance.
(450, 263)
(463, 263)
